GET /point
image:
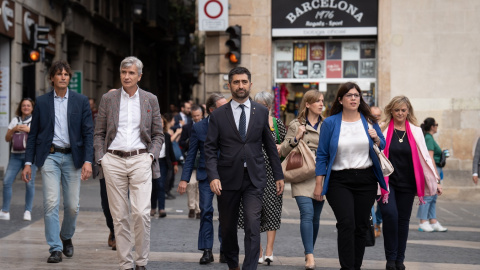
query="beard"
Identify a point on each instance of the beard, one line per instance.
(244, 94)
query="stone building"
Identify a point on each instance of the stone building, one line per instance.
(426, 50)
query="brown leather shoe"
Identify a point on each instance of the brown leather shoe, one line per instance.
(137, 267)
(111, 239)
(378, 230)
(153, 212)
(197, 215)
(191, 213)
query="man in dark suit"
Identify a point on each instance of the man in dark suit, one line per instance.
(183, 117)
(197, 142)
(61, 143)
(236, 166)
(128, 135)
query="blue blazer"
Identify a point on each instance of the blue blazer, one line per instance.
(197, 142)
(328, 145)
(80, 129)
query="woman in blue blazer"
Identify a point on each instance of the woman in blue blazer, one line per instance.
(349, 169)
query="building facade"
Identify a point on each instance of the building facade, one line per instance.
(425, 50)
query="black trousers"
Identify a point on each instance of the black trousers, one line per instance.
(228, 207)
(351, 194)
(105, 206)
(396, 220)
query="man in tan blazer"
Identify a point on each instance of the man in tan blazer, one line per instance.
(128, 135)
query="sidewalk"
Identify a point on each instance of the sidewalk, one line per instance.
(174, 239)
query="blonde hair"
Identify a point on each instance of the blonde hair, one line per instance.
(395, 103)
(311, 96)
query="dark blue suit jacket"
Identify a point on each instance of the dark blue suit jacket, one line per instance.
(223, 136)
(80, 129)
(197, 142)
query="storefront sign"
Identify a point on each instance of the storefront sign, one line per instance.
(29, 19)
(212, 15)
(76, 82)
(7, 15)
(299, 18)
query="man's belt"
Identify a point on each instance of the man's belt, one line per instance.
(54, 149)
(127, 154)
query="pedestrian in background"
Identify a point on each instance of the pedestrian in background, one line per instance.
(271, 214)
(20, 127)
(349, 169)
(196, 162)
(427, 213)
(61, 144)
(306, 127)
(236, 166)
(377, 215)
(476, 163)
(128, 135)
(168, 165)
(174, 138)
(414, 174)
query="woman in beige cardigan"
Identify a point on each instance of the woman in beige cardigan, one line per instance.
(306, 127)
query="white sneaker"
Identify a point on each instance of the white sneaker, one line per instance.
(27, 215)
(438, 227)
(4, 216)
(425, 227)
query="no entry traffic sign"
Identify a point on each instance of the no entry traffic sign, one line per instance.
(213, 15)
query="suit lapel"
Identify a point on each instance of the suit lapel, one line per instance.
(70, 102)
(51, 104)
(116, 107)
(230, 118)
(143, 107)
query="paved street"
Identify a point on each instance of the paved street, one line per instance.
(174, 238)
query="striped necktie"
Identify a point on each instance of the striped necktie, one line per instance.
(242, 125)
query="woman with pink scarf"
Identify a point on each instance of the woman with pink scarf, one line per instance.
(414, 174)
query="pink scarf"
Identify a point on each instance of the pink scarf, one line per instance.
(417, 166)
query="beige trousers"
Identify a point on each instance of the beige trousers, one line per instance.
(193, 194)
(129, 185)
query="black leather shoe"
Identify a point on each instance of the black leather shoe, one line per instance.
(67, 247)
(207, 256)
(140, 267)
(222, 258)
(55, 257)
(400, 265)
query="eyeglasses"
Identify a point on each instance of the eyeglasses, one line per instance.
(436, 125)
(352, 96)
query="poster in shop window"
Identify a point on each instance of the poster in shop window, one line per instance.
(351, 50)
(334, 69)
(317, 51)
(284, 69)
(350, 69)
(300, 69)
(283, 51)
(367, 69)
(367, 49)
(334, 50)
(300, 51)
(317, 69)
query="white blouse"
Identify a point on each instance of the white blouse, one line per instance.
(353, 147)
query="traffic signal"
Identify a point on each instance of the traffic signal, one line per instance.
(38, 31)
(34, 55)
(234, 43)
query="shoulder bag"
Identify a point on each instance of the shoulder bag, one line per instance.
(299, 165)
(19, 140)
(385, 164)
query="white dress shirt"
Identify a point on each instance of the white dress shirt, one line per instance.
(128, 133)
(61, 138)
(353, 147)
(237, 111)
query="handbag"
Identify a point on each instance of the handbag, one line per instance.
(443, 158)
(19, 141)
(299, 165)
(385, 164)
(370, 234)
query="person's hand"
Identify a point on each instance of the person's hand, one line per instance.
(181, 122)
(182, 187)
(175, 169)
(178, 130)
(439, 189)
(317, 192)
(86, 171)
(22, 128)
(300, 132)
(216, 186)
(373, 134)
(280, 186)
(475, 179)
(279, 146)
(27, 173)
